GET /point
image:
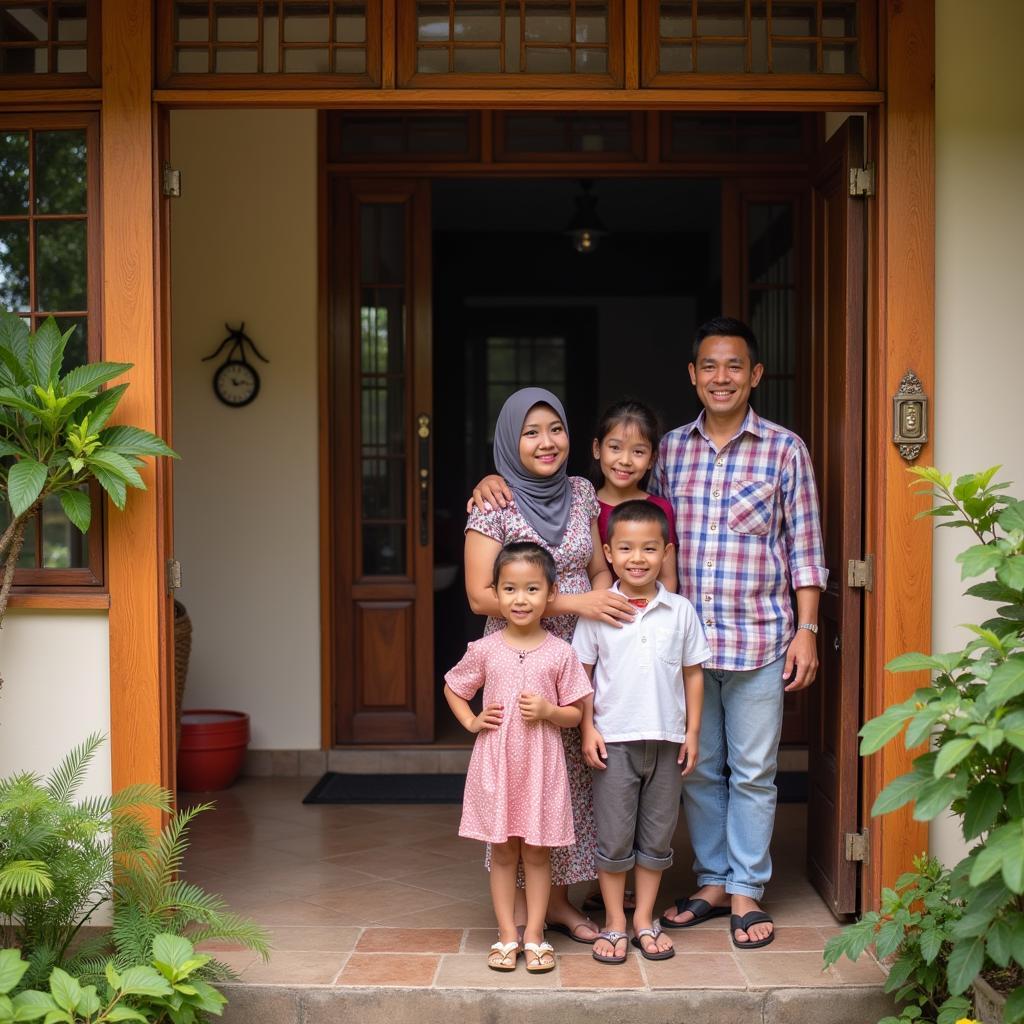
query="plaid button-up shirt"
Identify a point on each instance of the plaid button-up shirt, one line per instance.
(749, 531)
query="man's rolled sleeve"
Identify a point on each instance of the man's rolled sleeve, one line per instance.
(805, 550)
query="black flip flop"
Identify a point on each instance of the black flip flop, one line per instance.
(743, 924)
(564, 929)
(701, 910)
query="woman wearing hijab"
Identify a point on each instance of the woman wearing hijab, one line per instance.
(559, 512)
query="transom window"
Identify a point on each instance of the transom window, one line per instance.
(48, 43)
(48, 236)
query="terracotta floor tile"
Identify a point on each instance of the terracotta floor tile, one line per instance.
(456, 914)
(478, 940)
(457, 881)
(404, 830)
(237, 960)
(797, 940)
(329, 843)
(864, 971)
(581, 970)
(463, 971)
(398, 862)
(695, 970)
(306, 879)
(294, 911)
(702, 938)
(385, 902)
(454, 846)
(766, 969)
(410, 940)
(405, 969)
(324, 938)
(297, 968)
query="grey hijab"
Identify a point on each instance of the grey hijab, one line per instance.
(543, 501)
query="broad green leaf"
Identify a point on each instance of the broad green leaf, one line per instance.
(991, 590)
(48, 351)
(78, 508)
(144, 981)
(953, 1010)
(1012, 517)
(208, 998)
(965, 961)
(12, 967)
(125, 1013)
(1006, 683)
(100, 408)
(89, 1002)
(999, 941)
(983, 806)
(979, 559)
(1013, 1011)
(24, 483)
(58, 1017)
(65, 990)
(889, 937)
(134, 441)
(7, 448)
(951, 754)
(935, 797)
(915, 661)
(172, 950)
(113, 485)
(966, 486)
(116, 464)
(1011, 572)
(922, 724)
(930, 943)
(15, 399)
(113, 978)
(899, 792)
(32, 1005)
(90, 376)
(1013, 864)
(876, 733)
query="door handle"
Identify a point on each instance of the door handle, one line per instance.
(423, 433)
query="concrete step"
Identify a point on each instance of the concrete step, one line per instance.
(322, 1004)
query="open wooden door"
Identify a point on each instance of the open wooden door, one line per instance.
(381, 426)
(838, 224)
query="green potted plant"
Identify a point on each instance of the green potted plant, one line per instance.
(972, 712)
(55, 434)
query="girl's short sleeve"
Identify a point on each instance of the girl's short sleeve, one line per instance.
(572, 682)
(490, 524)
(587, 495)
(466, 678)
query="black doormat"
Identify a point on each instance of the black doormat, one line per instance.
(345, 788)
(342, 788)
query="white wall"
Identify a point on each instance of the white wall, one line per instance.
(979, 97)
(54, 662)
(244, 247)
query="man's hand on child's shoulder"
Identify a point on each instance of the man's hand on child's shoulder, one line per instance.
(594, 751)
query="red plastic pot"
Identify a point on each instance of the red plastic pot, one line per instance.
(212, 748)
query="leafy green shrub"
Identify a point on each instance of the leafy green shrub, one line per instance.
(164, 989)
(973, 712)
(61, 860)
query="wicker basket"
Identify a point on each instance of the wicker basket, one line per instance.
(182, 651)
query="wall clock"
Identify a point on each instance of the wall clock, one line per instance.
(235, 381)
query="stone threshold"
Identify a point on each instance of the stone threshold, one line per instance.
(324, 1004)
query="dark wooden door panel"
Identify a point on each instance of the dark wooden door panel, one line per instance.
(837, 388)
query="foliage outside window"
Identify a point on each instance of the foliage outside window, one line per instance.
(47, 185)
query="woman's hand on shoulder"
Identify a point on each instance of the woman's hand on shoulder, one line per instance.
(492, 492)
(604, 606)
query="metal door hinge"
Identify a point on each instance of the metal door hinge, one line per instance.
(861, 574)
(173, 575)
(856, 846)
(862, 180)
(170, 183)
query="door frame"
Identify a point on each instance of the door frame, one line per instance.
(900, 337)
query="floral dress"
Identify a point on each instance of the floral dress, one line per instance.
(569, 864)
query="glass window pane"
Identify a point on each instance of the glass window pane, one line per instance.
(236, 62)
(772, 321)
(60, 265)
(721, 58)
(721, 18)
(237, 23)
(383, 243)
(383, 488)
(591, 27)
(477, 61)
(795, 19)
(349, 61)
(384, 550)
(14, 265)
(382, 341)
(350, 25)
(432, 22)
(71, 22)
(676, 58)
(306, 26)
(76, 352)
(839, 58)
(771, 243)
(676, 20)
(60, 172)
(795, 58)
(432, 61)
(71, 60)
(309, 62)
(548, 23)
(192, 62)
(13, 172)
(501, 360)
(839, 19)
(382, 414)
(64, 547)
(25, 22)
(548, 61)
(191, 22)
(28, 559)
(591, 62)
(479, 23)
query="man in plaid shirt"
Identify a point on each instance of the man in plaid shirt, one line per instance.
(747, 513)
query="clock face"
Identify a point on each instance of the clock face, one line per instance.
(236, 383)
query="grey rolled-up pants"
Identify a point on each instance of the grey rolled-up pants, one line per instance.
(636, 805)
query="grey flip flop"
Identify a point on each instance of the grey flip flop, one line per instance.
(652, 933)
(614, 938)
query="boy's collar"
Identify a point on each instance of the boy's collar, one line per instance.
(658, 598)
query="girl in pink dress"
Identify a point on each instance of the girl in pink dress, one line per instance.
(517, 789)
(558, 512)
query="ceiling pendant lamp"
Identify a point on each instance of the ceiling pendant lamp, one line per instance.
(585, 227)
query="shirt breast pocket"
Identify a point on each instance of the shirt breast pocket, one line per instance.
(752, 507)
(668, 643)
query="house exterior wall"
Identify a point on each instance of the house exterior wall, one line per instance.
(979, 341)
(56, 692)
(244, 248)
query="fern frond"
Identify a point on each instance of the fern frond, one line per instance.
(21, 878)
(233, 928)
(172, 842)
(63, 782)
(143, 794)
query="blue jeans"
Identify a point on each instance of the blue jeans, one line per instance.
(730, 820)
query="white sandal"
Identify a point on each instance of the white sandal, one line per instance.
(503, 956)
(543, 957)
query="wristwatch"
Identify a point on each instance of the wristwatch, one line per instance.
(812, 626)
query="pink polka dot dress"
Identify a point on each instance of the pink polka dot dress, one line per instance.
(517, 783)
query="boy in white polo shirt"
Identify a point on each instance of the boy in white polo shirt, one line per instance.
(640, 726)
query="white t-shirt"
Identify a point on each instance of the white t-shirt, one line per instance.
(638, 674)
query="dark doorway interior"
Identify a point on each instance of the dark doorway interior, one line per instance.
(516, 304)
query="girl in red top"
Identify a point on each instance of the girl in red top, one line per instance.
(625, 448)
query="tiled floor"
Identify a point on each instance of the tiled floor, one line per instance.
(391, 896)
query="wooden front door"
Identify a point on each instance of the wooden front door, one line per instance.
(837, 399)
(381, 432)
